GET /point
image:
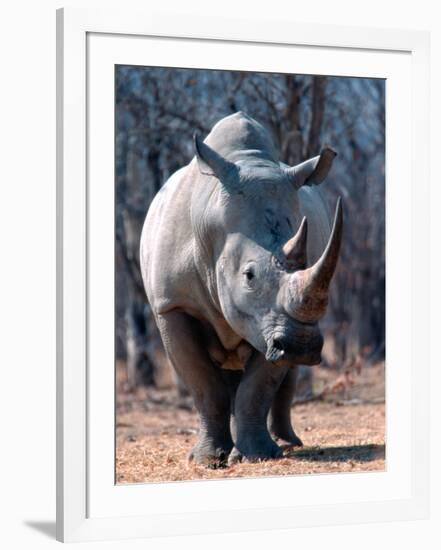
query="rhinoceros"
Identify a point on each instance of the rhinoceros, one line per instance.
(237, 255)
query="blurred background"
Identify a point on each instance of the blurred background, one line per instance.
(157, 112)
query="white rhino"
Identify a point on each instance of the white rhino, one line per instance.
(237, 255)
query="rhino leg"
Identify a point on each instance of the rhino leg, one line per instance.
(279, 419)
(254, 397)
(183, 342)
(232, 378)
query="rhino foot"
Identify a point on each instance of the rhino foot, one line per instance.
(287, 440)
(210, 455)
(254, 449)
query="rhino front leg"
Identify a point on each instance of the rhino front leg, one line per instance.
(279, 419)
(184, 344)
(254, 397)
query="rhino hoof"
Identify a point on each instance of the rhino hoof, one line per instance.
(235, 457)
(255, 454)
(210, 458)
(289, 442)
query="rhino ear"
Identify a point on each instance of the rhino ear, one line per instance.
(313, 171)
(212, 164)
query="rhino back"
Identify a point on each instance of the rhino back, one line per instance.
(237, 133)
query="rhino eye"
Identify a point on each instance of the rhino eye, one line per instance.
(249, 274)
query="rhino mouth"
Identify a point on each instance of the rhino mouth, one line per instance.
(304, 349)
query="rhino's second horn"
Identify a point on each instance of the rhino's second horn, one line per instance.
(294, 250)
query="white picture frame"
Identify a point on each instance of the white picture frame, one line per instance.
(89, 506)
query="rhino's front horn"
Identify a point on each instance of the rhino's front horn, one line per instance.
(320, 274)
(294, 250)
(309, 287)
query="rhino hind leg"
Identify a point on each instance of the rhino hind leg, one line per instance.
(183, 342)
(279, 419)
(253, 400)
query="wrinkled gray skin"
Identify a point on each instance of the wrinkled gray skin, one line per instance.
(226, 280)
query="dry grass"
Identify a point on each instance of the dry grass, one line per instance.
(345, 432)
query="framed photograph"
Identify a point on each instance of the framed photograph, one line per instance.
(242, 220)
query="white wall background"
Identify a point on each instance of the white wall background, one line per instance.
(27, 289)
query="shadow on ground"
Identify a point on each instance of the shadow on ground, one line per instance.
(358, 453)
(47, 528)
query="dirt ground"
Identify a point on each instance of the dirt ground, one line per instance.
(343, 431)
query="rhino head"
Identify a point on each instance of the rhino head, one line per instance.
(267, 292)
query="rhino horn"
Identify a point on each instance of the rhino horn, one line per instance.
(294, 250)
(212, 163)
(322, 271)
(314, 170)
(309, 287)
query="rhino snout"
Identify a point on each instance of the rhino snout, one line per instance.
(301, 347)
